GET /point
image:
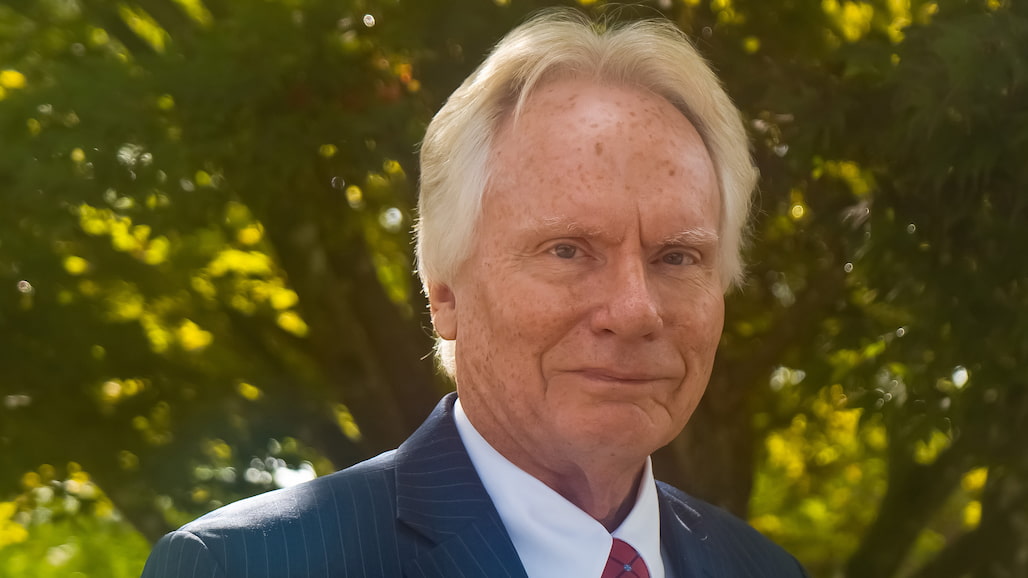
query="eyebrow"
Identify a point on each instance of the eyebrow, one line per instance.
(698, 236)
(569, 227)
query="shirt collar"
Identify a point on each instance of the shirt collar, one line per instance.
(552, 536)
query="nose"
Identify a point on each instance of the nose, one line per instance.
(627, 306)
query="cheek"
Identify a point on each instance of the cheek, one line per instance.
(714, 321)
(700, 324)
(525, 307)
(503, 326)
(699, 336)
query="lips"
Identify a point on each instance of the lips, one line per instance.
(619, 375)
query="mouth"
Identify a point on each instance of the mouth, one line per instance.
(618, 376)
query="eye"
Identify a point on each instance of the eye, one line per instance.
(678, 258)
(565, 251)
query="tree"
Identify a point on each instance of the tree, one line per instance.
(204, 242)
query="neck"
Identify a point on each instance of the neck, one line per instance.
(606, 498)
(606, 489)
(602, 483)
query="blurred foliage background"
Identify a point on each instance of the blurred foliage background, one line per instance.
(206, 287)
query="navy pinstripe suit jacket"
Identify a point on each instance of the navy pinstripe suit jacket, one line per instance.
(421, 511)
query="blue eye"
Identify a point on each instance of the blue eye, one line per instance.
(679, 258)
(673, 258)
(565, 251)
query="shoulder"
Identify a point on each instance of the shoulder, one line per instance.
(734, 546)
(695, 513)
(310, 527)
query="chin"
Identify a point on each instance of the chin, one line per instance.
(618, 429)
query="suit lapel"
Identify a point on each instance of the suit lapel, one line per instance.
(440, 496)
(480, 550)
(684, 536)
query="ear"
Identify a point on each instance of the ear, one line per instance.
(443, 305)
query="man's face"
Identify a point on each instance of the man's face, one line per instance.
(588, 312)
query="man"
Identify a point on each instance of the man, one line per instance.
(583, 200)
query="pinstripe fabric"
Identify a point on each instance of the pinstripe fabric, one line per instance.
(708, 542)
(420, 511)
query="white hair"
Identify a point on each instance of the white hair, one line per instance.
(652, 55)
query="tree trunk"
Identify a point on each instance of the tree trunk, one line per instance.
(376, 361)
(914, 495)
(999, 545)
(133, 500)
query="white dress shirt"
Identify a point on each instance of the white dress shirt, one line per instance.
(553, 537)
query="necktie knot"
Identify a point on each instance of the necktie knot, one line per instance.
(624, 562)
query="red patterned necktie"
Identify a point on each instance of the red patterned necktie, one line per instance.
(624, 562)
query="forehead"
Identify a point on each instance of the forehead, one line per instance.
(600, 145)
(570, 101)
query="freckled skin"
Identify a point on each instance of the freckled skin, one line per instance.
(587, 315)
